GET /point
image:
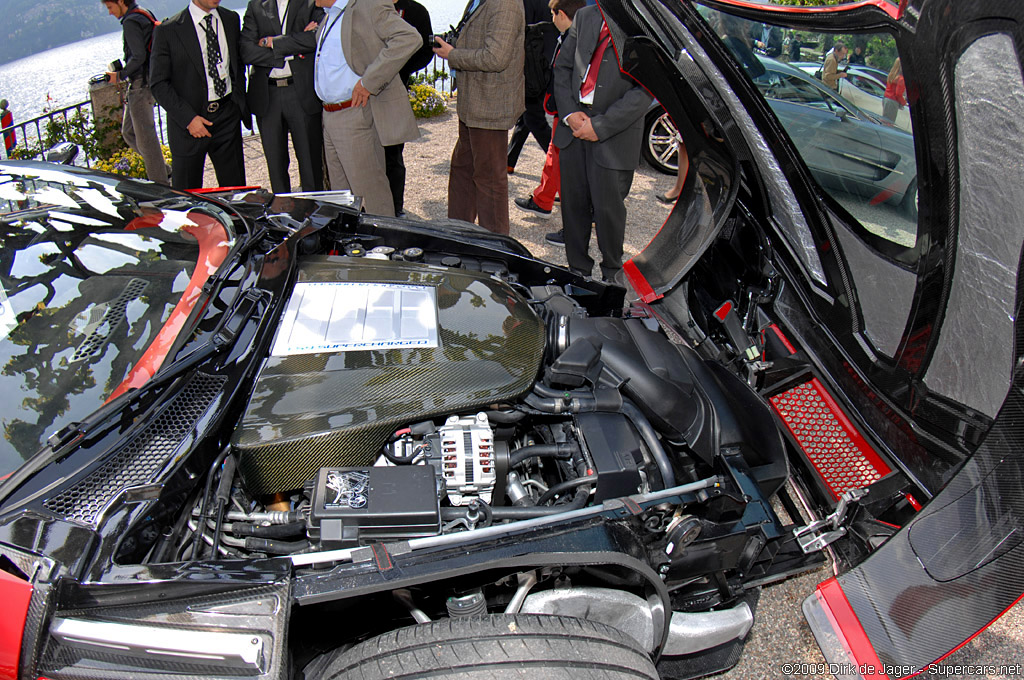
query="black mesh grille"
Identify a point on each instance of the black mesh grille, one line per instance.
(112, 318)
(140, 459)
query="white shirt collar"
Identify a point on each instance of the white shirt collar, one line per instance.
(198, 14)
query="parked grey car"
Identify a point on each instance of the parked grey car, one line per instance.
(846, 148)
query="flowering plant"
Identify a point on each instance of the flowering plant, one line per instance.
(128, 163)
(426, 101)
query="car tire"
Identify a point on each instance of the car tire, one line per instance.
(494, 648)
(909, 204)
(661, 142)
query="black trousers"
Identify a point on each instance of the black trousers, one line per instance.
(394, 168)
(285, 114)
(224, 146)
(532, 121)
(590, 191)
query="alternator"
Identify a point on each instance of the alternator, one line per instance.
(468, 464)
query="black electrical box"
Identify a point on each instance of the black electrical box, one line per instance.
(614, 445)
(358, 506)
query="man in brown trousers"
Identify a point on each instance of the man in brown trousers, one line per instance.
(488, 61)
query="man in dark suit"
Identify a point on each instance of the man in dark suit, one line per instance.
(417, 16)
(599, 135)
(196, 74)
(280, 49)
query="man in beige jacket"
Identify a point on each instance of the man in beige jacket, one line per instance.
(488, 61)
(360, 46)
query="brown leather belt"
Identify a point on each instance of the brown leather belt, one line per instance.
(338, 107)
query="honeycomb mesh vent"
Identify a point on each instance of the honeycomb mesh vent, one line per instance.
(137, 462)
(112, 318)
(840, 454)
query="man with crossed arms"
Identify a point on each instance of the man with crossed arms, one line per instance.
(361, 45)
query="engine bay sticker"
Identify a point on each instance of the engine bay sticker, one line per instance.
(348, 317)
(349, 489)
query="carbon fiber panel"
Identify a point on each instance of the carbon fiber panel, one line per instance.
(335, 409)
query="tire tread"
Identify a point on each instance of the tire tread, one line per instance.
(497, 647)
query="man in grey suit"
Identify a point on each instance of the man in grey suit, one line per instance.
(276, 43)
(361, 45)
(488, 60)
(599, 138)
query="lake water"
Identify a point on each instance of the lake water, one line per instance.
(63, 73)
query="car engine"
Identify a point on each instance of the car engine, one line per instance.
(406, 398)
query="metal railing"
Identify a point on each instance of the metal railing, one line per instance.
(32, 132)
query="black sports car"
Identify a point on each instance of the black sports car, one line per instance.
(249, 436)
(847, 149)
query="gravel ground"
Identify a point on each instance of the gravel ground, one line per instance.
(780, 634)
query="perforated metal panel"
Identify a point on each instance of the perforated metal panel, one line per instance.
(140, 459)
(835, 448)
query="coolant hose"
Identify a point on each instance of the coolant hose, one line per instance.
(650, 437)
(273, 547)
(562, 487)
(272, 531)
(504, 417)
(563, 451)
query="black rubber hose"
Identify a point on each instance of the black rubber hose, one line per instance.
(650, 437)
(505, 417)
(562, 487)
(273, 531)
(510, 512)
(553, 393)
(223, 496)
(201, 520)
(563, 451)
(397, 460)
(272, 547)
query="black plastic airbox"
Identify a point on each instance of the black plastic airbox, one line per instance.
(614, 445)
(356, 506)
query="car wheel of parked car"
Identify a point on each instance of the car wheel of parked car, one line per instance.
(909, 205)
(661, 142)
(496, 647)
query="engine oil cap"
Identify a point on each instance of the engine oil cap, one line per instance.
(355, 250)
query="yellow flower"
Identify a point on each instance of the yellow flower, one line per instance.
(128, 163)
(426, 101)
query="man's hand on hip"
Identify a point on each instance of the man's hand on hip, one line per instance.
(197, 128)
(360, 95)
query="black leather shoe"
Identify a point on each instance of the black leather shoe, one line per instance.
(556, 238)
(618, 278)
(528, 205)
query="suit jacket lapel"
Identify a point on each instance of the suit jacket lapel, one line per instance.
(270, 7)
(190, 41)
(346, 31)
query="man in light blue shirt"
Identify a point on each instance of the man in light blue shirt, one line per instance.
(361, 45)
